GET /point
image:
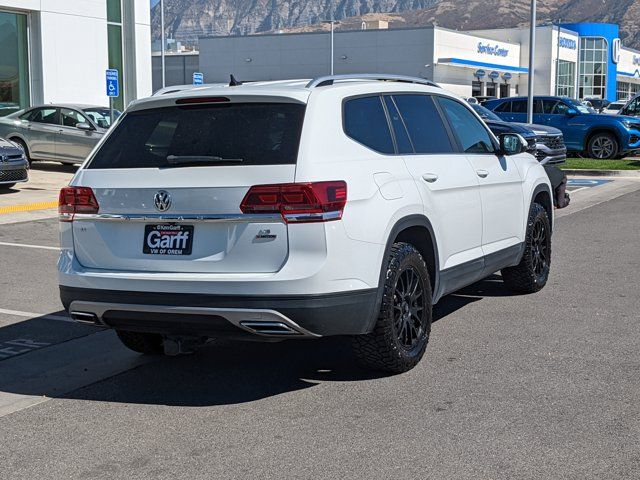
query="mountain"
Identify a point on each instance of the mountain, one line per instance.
(185, 20)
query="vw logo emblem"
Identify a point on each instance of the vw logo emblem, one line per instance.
(162, 200)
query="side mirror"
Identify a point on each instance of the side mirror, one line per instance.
(572, 112)
(84, 126)
(512, 144)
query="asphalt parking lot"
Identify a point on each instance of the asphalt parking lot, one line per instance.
(540, 386)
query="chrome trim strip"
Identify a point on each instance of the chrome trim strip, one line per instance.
(311, 217)
(236, 316)
(157, 218)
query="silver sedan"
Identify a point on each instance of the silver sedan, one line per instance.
(62, 133)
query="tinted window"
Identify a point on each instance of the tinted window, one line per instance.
(470, 132)
(560, 108)
(548, 106)
(101, 116)
(255, 133)
(484, 113)
(402, 138)
(424, 124)
(503, 107)
(70, 118)
(632, 109)
(43, 115)
(366, 122)
(520, 106)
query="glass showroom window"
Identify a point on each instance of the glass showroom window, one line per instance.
(627, 90)
(14, 63)
(114, 39)
(566, 82)
(593, 67)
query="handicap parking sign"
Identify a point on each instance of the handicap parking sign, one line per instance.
(113, 85)
(198, 78)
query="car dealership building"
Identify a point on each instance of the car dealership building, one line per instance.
(54, 51)
(577, 60)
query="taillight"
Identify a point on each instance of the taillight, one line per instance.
(298, 202)
(74, 200)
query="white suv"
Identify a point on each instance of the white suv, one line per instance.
(347, 205)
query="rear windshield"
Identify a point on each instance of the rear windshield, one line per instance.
(228, 134)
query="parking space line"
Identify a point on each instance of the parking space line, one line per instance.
(26, 245)
(28, 207)
(18, 313)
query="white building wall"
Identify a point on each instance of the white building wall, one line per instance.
(547, 53)
(69, 49)
(74, 51)
(143, 48)
(451, 44)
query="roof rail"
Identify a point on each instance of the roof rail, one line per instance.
(331, 79)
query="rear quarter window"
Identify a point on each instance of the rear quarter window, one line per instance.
(246, 133)
(365, 122)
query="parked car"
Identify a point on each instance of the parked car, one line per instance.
(632, 107)
(64, 133)
(598, 136)
(482, 99)
(14, 167)
(613, 108)
(597, 103)
(338, 206)
(544, 142)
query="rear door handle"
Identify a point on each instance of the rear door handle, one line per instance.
(482, 173)
(429, 177)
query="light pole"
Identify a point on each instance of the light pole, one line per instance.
(532, 53)
(162, 40)
(333, 23)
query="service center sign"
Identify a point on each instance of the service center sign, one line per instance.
(488, 49)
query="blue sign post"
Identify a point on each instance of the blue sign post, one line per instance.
(113, 88)
(198, 78)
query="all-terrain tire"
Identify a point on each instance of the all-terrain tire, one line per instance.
(532, 273)
(147, 343)
(400, 336)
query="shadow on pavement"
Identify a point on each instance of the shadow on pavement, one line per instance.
(53, 167)
(222, 373)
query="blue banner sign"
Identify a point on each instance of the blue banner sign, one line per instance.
(113, 84)
(492, 50)
(198, 78)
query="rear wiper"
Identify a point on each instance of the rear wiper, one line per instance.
(180, 160)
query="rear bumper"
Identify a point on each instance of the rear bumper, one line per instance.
(299, 316)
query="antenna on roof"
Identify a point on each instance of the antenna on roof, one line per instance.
(233, 82)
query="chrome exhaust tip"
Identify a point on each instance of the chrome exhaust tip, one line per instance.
(85, 317)
(270, 328)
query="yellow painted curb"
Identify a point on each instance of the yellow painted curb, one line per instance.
(29, 207)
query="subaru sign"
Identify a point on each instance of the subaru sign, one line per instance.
(113, 85)
(494, 75)
(568, 43)
(198, 78)
(480, 74)
(507, 76)
(492, 50)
